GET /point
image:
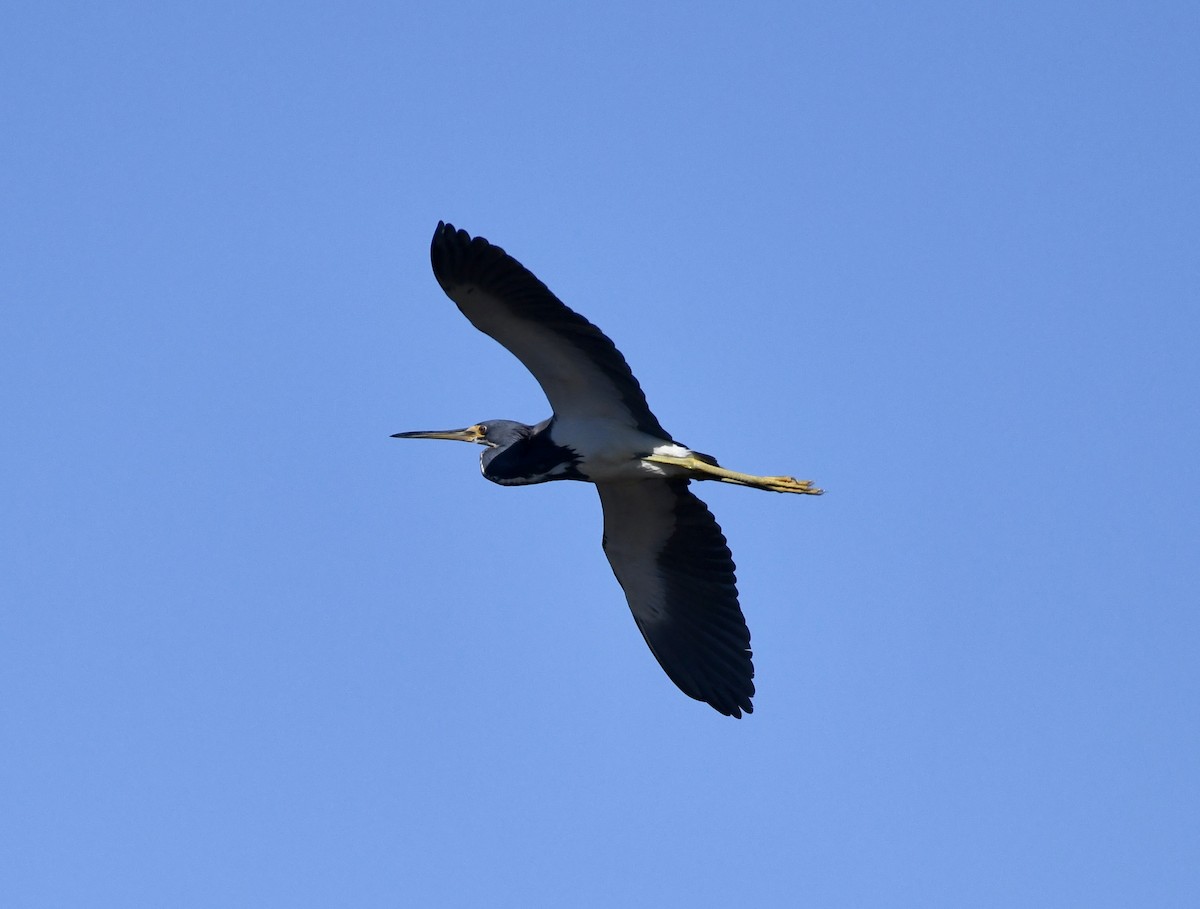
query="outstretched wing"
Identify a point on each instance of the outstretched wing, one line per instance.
(670, 556)
(580, 370)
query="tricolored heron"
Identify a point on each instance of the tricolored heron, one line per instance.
(664, 545)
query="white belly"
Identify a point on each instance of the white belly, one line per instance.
(611, 451)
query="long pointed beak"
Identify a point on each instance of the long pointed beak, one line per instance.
(470, 434)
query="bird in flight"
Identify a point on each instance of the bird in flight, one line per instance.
(665, 548)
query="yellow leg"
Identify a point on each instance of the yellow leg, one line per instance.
(702, 470)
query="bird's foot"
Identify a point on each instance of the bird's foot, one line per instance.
(785, 484)
(697, 469)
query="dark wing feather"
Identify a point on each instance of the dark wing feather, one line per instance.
(670, 556)
(580, 370)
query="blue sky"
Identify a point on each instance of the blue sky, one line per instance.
(939, 257)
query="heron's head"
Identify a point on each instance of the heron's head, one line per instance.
(492, 433)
